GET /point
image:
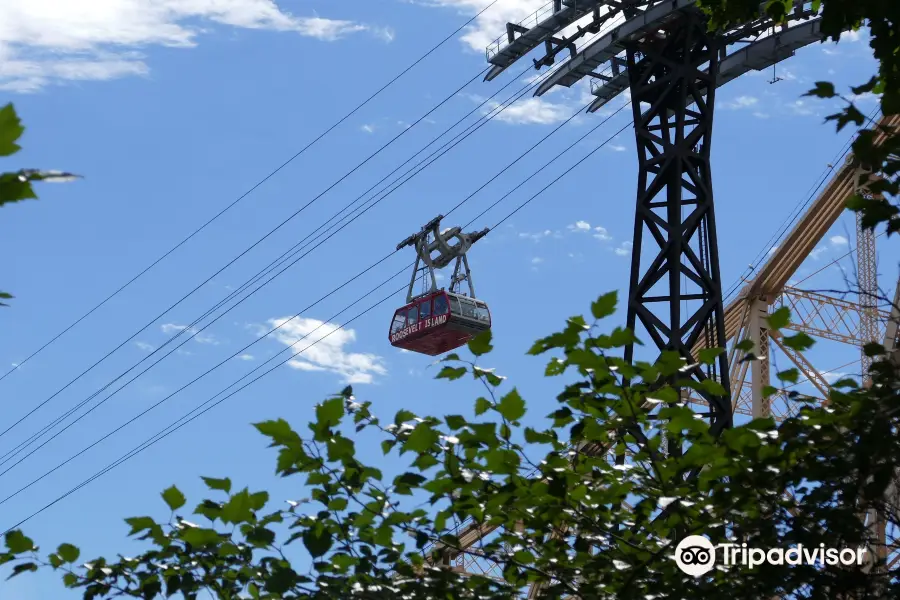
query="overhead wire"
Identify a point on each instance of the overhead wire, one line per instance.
(792, 217)
(209, 404)
(191, 326)
(11, 454)
(251, 190)
(236, 258)
(293, 251)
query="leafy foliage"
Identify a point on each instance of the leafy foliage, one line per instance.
(586, 505)
(16, 186)
(880, 18)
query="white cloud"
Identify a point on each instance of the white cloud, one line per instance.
(530, 111)
(536, 237)
(329, 351)
(200, 338)
(740, 102)
(47, 41)
(832, 376)
(624, 249)
(537, 260)
(602, 234)
(145, 346)
(247, 357)
(580, 226)
(815, 254)
(617, 148)
(839, 240)
(760, 115)
(368, 128)
(864, 97)
(772, 250)
(799, 107)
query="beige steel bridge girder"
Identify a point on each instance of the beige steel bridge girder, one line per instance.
(817, 314)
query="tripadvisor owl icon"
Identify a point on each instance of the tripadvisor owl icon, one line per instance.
(695, 555)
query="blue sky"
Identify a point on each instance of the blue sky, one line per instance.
(171, 113)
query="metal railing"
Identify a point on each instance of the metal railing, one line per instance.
(528, 22)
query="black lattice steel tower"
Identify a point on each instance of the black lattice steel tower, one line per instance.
(662, 52)
(675, 292)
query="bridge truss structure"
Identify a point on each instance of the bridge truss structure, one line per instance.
(662, 52)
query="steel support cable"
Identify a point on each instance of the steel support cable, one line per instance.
(191, 326)
(833, 262)
(789, 221)
(247, 347)
(293, 251)
(255, 244)
(252, 189)
(12, 453)
(210, 404)
(238, 257)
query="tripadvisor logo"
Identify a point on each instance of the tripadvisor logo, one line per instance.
(695, 555)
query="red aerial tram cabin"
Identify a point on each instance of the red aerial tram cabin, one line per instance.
(438, 322)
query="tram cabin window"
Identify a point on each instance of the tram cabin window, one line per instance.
(454, 306)
(440, 305)
(412, 316)
(468, 309)
(399, 321)
(481, 313)
(425, 309)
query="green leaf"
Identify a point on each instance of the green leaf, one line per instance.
(200, 537)
(68, 552)
(511, 406)
(238, 509)
(23, 568)
(212, 483)
(174, 498)
(10, 130)
(482, 405)
(422, 438)
(708, 356)
(537, 437)
(403, 416)
(455, 421)
(317, 541)
(799, 342)
(14, 188)
(451, 373)
(605, 305)
(481, 343)
(18, 542)
(790, 375)
(780, 318)
(338, 504)
(139, 524)
(873, 349)
(329, 413)
(745, 345)
(823, 89)
(280, 431)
